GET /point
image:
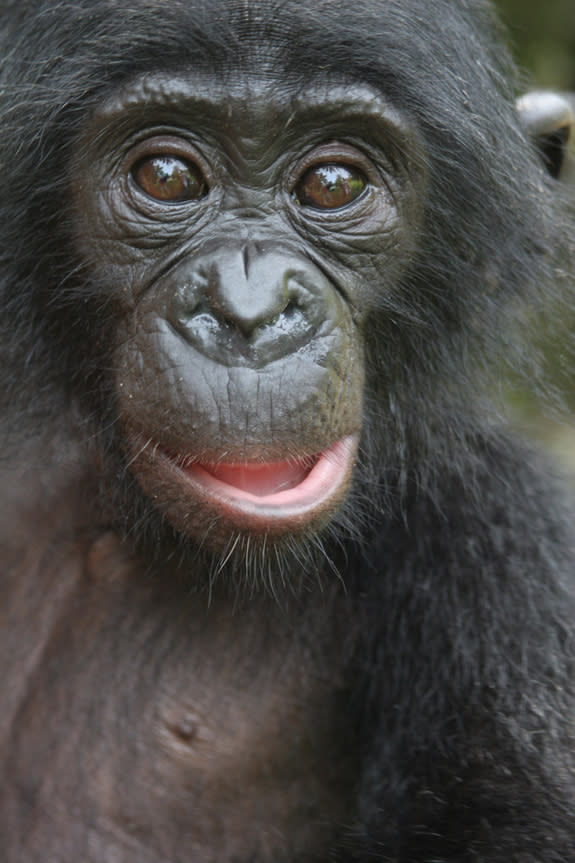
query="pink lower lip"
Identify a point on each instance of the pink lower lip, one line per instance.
(278, 486)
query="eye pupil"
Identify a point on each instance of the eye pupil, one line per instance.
(330, 186)
(169, 179)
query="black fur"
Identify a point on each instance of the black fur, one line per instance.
(437, 606)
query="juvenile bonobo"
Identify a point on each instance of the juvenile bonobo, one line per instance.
(276, 583)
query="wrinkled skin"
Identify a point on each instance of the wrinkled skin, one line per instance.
(275, 584)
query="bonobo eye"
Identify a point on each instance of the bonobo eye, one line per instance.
(330, 186)
(169, 179)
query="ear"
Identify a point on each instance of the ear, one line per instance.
(549, 121)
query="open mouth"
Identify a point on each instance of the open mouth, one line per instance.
(282, 486)
(213, 499)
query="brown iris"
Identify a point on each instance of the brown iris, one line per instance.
(330, 186)
(169, 179)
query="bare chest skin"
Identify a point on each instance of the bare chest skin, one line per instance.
(144, 715)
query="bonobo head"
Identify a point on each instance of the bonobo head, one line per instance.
(268, 246)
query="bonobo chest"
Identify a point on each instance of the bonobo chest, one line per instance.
(157, 726)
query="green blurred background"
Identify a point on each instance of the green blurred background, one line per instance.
(543, 34)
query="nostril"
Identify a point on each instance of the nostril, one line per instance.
(289, 314)
(292, 307)
(191, 308)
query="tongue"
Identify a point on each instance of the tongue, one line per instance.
(260, 479)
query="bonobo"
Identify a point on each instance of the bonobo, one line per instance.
(276, 583)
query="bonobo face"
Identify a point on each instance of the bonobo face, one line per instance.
(245, 230)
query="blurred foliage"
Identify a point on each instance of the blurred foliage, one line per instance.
(543, 36)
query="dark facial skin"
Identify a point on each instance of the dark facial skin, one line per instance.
(234, 224)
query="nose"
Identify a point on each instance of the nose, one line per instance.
(250, 302)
